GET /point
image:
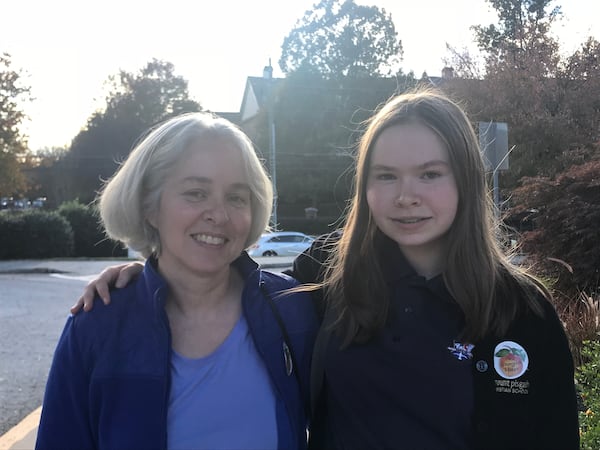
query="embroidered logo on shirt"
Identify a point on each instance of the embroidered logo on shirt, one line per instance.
(510, 360)
(461, 351)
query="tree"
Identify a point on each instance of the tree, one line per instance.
(340, 38)
(135, 103)
(580, 82)
(13, 145)
(523, 25)
(46, 177)
(524, 86)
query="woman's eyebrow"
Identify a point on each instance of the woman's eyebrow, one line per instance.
(205, 180)
(197, 179)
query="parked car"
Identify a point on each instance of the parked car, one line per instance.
(281, 243)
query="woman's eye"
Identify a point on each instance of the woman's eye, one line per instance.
(195, 195)
(239, 200)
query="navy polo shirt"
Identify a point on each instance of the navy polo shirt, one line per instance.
(408, 388)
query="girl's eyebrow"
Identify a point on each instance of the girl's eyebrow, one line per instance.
(425, 165)
(435, 162)
(381, 167)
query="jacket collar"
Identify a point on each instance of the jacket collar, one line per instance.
(157, 286)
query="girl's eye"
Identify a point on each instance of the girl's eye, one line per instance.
(385, 176)
(431, 175)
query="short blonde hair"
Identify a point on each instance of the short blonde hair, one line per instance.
(133, 192)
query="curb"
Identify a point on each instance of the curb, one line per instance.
(23, 435)
(32, 270)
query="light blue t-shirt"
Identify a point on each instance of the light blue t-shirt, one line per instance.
(224, 400)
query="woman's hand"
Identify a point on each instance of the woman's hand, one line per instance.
(113, 276)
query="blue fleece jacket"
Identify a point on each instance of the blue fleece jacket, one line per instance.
(108, 386)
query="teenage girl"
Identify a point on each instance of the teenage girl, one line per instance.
(431, 338)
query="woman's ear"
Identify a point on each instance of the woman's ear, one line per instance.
(151, 218)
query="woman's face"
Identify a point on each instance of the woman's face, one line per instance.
(412, 192)
(205, 215)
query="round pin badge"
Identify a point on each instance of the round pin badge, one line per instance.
(510, 360)
(481, 365)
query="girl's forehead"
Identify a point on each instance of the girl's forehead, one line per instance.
(411, 141)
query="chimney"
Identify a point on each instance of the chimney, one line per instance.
(447, 73)
(268, 71)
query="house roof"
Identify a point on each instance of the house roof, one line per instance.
(256, 95)
(233, 117)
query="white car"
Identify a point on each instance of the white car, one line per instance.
(281, 243)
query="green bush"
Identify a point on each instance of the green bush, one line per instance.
(34, 234)
(88, 235)
(588, 382)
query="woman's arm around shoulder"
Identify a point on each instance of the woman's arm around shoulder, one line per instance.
(117, 276)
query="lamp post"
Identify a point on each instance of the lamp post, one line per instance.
(268, 75)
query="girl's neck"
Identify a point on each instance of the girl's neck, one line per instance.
(428, 263)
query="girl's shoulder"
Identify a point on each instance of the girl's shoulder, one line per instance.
(308, 267)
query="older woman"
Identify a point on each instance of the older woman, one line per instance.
(203, 350)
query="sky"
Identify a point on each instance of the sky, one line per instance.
(67, 49)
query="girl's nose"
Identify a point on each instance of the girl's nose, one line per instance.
(406, 195)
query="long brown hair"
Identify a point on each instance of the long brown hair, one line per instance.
(487, 287)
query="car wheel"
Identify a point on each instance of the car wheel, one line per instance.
(269, 253)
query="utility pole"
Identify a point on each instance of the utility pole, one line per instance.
(268, 75)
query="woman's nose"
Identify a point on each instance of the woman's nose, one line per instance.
(216, 213)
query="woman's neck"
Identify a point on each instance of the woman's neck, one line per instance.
(202, 294)
(203, 312)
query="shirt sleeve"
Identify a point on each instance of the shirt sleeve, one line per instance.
(559, 415)
(64, 422)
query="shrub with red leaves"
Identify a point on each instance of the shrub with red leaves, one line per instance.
(564, 217)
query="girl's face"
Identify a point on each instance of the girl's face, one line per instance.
(412, 193)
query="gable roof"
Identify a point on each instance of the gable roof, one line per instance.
(256, 96)
(233, 117)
